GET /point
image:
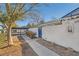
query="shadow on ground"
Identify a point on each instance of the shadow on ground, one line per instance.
(26, 49)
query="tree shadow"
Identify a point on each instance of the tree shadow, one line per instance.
(5, 46)
(26, 49)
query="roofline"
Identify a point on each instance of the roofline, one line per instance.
(19, 28)
(70, 12)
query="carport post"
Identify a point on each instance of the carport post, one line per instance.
(40, 32)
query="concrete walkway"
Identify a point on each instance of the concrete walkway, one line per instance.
(39, 49)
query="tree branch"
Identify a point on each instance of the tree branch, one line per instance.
(14, 10)
(22, 7)
(30, 8)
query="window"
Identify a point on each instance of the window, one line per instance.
(14, 30)
(69, 28)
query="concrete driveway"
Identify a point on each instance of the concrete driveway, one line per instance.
(38, 48)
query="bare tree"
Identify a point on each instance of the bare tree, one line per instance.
(14, 12)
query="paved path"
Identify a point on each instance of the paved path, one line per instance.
(38, 48)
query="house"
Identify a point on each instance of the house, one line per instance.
(65, 34)
(19, 30)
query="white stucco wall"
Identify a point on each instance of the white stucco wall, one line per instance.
(60, 35)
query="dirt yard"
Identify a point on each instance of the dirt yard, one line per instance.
(20, 48)
(14, 50)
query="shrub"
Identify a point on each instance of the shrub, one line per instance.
(30, 34)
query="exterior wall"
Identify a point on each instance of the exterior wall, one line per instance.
(60, 35)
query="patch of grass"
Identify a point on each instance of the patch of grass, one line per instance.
(2, 40)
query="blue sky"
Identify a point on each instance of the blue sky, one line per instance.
(54, 10)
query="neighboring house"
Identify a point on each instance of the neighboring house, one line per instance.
(19, 30)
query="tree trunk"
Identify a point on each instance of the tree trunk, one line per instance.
(9, 38)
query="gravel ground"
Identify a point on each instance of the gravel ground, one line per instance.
(63, 51)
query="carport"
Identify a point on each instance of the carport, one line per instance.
(19, 30)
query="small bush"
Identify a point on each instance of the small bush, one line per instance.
(30, 34)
